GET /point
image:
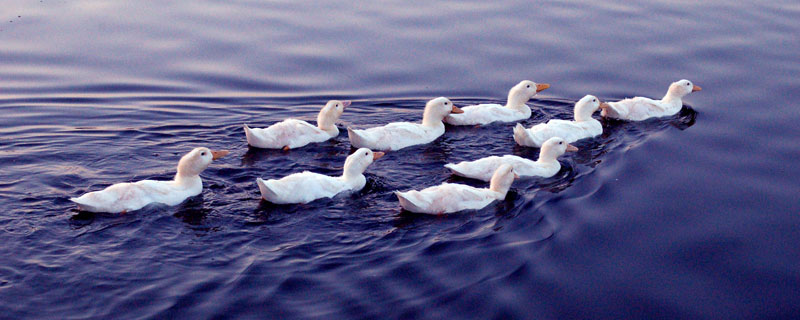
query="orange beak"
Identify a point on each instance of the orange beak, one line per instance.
(456, 110)
(604, 106)
(571, 148)
(696, 88)
(377, 155)
(346, 103)
(516, 176)
(541, 86)
(219, 154)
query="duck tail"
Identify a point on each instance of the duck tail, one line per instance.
(356, 140)
(410, 202)
(249, 134)
(454, 168)
(522, 137)
(266, 192)
(83, 204)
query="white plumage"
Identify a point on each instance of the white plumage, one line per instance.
(449, 197)
(584, 126)
(546, 166)
(293, 133)
(398, 135)
(641, 108)
(514, 110)
(308, 186)
(123, 197)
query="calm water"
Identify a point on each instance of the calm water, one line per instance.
(692, 216)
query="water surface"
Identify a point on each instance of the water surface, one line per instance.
(691, 216)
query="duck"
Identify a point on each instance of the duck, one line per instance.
(584, 126)
(294, 133)
(131, 196)
(398, 135)
(451, 197)
(641, 108)
(307, 186)
(514, 110)
(545, 167)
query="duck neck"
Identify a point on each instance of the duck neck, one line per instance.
(547, 156)
(516, 101)
(672, 97)
(501, 187)
(187, 179)
(353, 177)
(431, 120)
(326, 124)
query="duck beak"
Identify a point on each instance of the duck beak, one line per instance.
(346, 103)
(571, 148)
(219, 154)
(456, 110)
(377, 155)
(541, 86)
(604, 106)
(516, 176)
(696, 88)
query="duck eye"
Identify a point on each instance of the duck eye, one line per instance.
(561, 142)
(528, 86)
(594, 100)
(366, 153)
(446, 103)
(688, 84)
(337, 105)
(203, 154)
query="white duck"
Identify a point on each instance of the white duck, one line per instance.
(584, 126)
(448, 198)
(514, 110)
(641, 108)
(398, 135)
(294, 133)
(308, 186)
(546, 166)
(124, 197)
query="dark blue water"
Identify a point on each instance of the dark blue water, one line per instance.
(692, 216)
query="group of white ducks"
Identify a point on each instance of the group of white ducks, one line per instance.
(553, 137)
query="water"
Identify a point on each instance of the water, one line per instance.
(691, 216)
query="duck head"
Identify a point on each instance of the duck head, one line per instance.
(437, 109)
(197, 160)
(357, 163)
(585, 107)
(554, 148)
(524, 91)
(502, 179)
(679, 89)
(330, 113)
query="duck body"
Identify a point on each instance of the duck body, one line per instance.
(130, 196)
(514, 110)
(571, 131)
(395, 136)
(482, 169)
(450, 197)
(305, 187)
(308, 186)
(447, 198)
(123, 197)
(641, 108)
(584, 126)
(294, 133)
(482, 114)
(398, 135)
(546, 166)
